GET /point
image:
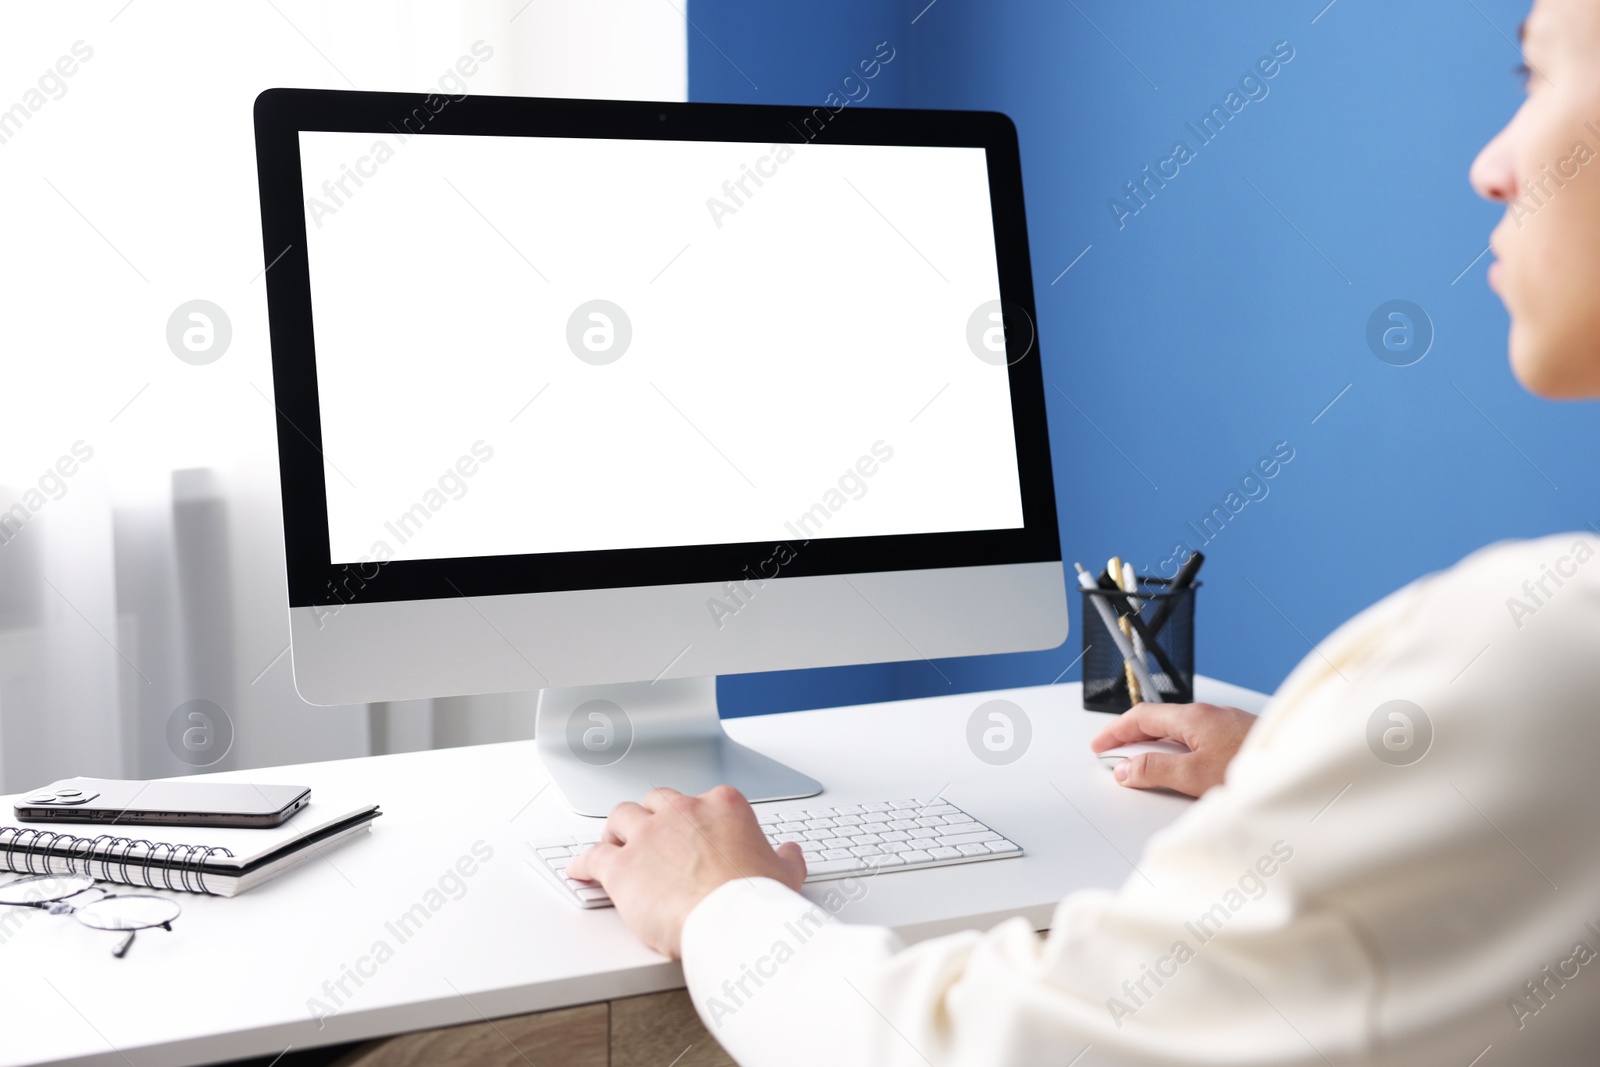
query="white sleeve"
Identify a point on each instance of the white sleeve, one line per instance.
(1340, 899)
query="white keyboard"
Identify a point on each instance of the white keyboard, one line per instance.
(837, 842)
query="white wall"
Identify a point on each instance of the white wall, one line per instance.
(129, 188)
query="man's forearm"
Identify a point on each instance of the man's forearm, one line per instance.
(778, 979)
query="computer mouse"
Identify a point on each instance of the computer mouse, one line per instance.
(1113, 756)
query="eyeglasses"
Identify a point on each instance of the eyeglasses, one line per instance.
(66, 894)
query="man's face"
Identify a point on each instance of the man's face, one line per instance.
(1545, 167)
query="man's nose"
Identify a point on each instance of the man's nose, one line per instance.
(1493, 172)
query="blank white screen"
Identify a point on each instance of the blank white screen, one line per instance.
(776, 341)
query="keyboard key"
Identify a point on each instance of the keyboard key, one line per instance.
(940, 809)
(874, 827)
(916, 855)
(849, 809)
(866, 839)
(1002, 847)
(818, 835)
(902, 824)
(848, 819)
(973, 850)
(904, 805)
(587, 895)
(555, 852)
(781, 838)
(939, 852)
(833, 867)
(924, 832)
(895, 835)
(837, 854)
(929, 820)
(871, 850)
(957, 840)
(877, 805)
(838, 842)
(820, 824)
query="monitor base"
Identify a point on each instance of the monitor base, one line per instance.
(603, 744)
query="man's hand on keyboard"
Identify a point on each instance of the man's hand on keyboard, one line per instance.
(657, 860)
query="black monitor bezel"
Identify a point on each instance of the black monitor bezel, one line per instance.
(314, 579)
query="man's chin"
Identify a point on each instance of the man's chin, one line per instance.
(1554, 371)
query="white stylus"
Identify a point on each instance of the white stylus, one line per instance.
(1140, 671)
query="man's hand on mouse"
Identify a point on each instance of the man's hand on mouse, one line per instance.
(658, 859)
(1212, 733)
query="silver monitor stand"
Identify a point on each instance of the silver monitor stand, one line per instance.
(604, 744)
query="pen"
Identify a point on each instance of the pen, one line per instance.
(1086, 581)
(1184, 579)
(1142, 639)
(1114, 570)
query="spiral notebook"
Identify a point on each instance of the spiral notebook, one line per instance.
(195, 859)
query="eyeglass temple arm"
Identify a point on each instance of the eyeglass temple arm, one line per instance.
(127, 942)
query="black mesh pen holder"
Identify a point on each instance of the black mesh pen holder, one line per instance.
(1166, 636)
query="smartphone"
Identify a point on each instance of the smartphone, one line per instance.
(172, 803)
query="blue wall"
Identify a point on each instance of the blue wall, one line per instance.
(1234, 304)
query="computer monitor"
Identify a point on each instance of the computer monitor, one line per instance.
(604, 399)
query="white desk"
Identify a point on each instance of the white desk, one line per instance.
(236, 977)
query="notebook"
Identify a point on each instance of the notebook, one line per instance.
(196, 859)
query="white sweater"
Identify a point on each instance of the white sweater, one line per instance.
(1324, 906)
